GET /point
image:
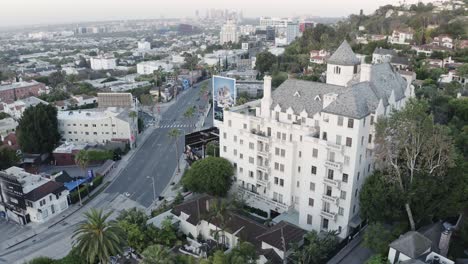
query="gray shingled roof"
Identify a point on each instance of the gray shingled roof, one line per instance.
(356, 101)
(412, 244)
(344, 55)
(305, 99)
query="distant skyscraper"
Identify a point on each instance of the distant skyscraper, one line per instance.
(292, 32)
(229, 32)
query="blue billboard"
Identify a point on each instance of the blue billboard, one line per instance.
(224, 96)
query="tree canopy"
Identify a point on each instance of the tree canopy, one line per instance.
(211, 175)
(38, 129)
(8, 157)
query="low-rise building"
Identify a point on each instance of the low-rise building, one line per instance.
(64, 155)
(27, 197)
(452, 76)
(402, 37)
(381, 55)
(17, 108)
(444, 41)
(7, 126)
(149, 67)
(98, 125)
(20, 90)
(103, 63)
(319, 56)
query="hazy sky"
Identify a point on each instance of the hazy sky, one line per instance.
(20, 12)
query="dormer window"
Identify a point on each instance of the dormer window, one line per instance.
(297, 94)
(337, 70)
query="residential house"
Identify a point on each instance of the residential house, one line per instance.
(16, 109)
(444, 41)
(402, 36)
(319, 56)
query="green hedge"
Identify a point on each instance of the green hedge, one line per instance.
(256, 211)
(86, 189)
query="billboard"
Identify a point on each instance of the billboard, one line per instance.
(224, 96)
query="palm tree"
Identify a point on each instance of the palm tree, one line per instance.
(219, 211)
(190, 113)
(175, 134)
(157, 254)
(98, 239)
(82, 160)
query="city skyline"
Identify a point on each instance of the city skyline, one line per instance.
(63, 11)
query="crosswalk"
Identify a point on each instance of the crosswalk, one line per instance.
(175, 125)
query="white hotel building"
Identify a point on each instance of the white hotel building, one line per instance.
(306, 148)
(98, 125)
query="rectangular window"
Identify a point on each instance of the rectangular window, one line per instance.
(251, 174)
(278, 135)
(346, 160)
(245, 126)
(313, 170)
(235, 152)
(312, 186)
(330, 174)
(349, 142)
(283, 136)
(276, 166)
(343, 195)
(281, 182)
(276, 180)
(300, 154)
(241, 142)
(229, 123)
(235, 138)
(371, 120)
(324, 135)
(241, 156)
(356, 192)
(362, 141)
(338, 139)
(311, 202)
(340, 121)
(370, 139)
(280, 198)
(341, 211)
(350, 123)
(224, 148)
(309, 219)
(275, 196)
(283, 152)
(282, 167)
(315, 153)
(331, 156)
(345, 177)
(289, 116)
(251, 145)
(277, 151)
(251, 160)
(299, 169)
(329, 191)
(297, 184)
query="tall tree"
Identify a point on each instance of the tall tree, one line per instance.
(210, 175)
(97, 239)
(157, 254)
(38, 129)
(8, 157)
(316, 248)
(82, 159)
(174, 134)
(244, 252)
(410, 145)
(191, 61)
(265, 61)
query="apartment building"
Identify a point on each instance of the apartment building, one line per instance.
(98, 125)
(229, 33)
(103, 63)
(20, 90)
(306, 148)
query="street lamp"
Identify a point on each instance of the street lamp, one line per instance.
(154, 190)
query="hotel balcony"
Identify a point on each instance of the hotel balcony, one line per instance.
(263, 182)
(335, 147)
(334, 165)
(261, 136)
(328, 215)
(333, 183)
(331, 199)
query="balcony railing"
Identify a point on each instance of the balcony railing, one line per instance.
(328, 215)
(262, 182)
(334, 146)
(331, 199)
(266, 200)
(334, 165)
(333, 183)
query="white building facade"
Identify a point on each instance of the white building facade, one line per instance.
(307, 147)
(148, 67)
(229, 33)
(98, 125)
(102, 63)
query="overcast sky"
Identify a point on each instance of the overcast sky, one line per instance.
(21, 12)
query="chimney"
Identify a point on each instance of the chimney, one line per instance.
(445, 242)
(267, 87)
(366, 72)
(266, 100)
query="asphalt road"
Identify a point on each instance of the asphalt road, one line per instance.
(156, 158)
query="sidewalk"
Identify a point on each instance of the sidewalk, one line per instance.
(354, 250)
(36, 228)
